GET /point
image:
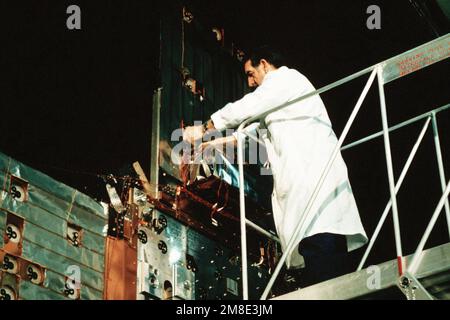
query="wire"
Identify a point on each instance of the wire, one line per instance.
(100, 175)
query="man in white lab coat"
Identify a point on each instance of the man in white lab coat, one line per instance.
(299, 140)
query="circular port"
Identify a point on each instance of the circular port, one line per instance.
(13, 233)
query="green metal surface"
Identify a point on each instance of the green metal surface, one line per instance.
(50, 222)
(2, 219)
(49, 208)
(35, 215)
(61, 246)
(34, 177)
(54, 281)
(43, 209)
(60, 264)
(7, 279)
(90, 294)
(93, 242)
(54, 196)
(2, 227)
(47, 201)
(3, 180)
(87, 220)
(30, 291)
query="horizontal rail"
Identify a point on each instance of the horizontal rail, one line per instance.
(396, 127)
(414, 60)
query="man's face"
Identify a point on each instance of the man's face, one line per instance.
(255, 76)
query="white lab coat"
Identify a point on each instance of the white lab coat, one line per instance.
(299, 142)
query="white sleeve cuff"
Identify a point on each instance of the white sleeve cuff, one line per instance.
(218, 121)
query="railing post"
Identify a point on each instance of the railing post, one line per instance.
(397, 188)
(390, 171)
(240, 151)
(440, 162)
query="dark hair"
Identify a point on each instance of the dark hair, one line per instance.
(265, 52)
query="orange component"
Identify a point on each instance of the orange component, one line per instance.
(120, 270)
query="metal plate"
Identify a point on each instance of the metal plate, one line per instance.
(192, 258)
(416, 59)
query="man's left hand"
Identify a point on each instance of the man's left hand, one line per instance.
(193, 133)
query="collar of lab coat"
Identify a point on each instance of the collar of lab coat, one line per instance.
(273, 72)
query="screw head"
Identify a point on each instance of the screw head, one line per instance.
(405, 282)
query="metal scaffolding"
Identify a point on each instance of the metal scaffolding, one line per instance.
(386, 71)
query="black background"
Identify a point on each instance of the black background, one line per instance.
(74, 103)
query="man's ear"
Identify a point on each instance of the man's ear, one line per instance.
(264, 63)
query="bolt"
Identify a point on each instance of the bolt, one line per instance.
(405, 282)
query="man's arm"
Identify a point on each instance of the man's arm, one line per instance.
(274, 91)
(219, 143)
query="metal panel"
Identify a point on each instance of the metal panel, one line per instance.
(60, 264)
(2, 219)
(50, 221)
(3, 180)
(35, 215)
(196, 266)
(60, 245)
(30, 291)
(48, 209)
(88, 220)
(438, 285)
(2, 227)
(56, 197)
(121, 270)
(10, 280)
(2, 232)
(47, 201)
(154, 151)
(90, 294)
(34, 177)
(353, 285)
(94, 242)
(82, 201)
(54, 281)
(416, 59)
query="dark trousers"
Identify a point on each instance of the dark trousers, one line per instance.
(326, 257)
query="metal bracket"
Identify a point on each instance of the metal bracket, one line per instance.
(412, 288)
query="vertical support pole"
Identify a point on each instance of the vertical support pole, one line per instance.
(440, 162)
(390, 170)
(397, 188)
(240, 151)
(154, 151)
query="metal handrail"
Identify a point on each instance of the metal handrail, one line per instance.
(386, 71)
(397, 188)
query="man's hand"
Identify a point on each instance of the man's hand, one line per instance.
(193, 133)
(219, 143)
